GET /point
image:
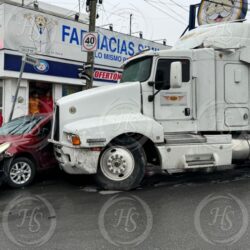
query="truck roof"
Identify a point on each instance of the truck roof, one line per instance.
(220, 36)
(231, 35)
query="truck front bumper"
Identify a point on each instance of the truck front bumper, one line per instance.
(77, 160)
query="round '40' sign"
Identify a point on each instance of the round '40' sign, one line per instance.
(217, 11)
(89, 41)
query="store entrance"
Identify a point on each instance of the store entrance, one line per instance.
(1, 104)
(40, 97)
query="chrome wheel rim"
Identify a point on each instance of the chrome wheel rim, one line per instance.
(117, 163)
(20, 173)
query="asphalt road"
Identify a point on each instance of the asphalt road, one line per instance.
(190, 211)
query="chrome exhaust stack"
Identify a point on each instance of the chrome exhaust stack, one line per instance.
(241, 149)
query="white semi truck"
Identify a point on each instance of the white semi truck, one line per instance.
(181, 109)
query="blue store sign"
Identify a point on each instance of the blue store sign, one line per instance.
(52, 68)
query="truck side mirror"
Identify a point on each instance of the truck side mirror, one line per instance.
(176, 75)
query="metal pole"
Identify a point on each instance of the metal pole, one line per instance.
(192, 11)
(91, 55)
(192, 16)
(79, 2)
(18, 87)
(185, 31)
(130, 24)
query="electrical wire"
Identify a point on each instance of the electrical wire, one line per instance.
(174, 11)
(169, 8)
(169, 15)
(177, 4)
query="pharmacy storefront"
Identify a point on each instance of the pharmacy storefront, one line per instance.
(56, 41)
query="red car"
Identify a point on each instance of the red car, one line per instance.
(24, 149)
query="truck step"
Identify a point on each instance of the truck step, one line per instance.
(198, 161)
(184, 138)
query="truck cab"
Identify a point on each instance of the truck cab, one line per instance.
(181, 109)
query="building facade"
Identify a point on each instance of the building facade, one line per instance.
(56, 41)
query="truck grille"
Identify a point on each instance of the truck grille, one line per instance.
(57, 124)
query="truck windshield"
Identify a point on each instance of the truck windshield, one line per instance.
(20, 126)
(138, 70)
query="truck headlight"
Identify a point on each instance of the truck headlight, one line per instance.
(74, 139)
(4, 147)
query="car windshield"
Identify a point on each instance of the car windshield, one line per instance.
(21, 125)
(138, 70)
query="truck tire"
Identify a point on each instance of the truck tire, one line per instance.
(122, 165)
(20, 173)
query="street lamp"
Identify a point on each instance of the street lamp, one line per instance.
(130, 24)
(77, 16)
(138, 32)
(164, 41)
(110, 26)
(36, 4)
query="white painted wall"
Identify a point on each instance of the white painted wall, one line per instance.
(9, 93)
(57, 91)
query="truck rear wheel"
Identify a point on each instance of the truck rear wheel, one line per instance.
(121, 166)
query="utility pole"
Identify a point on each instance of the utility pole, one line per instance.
(25, 59)
(130, 24)
(91, 55)
(18, 87)
(79, 3)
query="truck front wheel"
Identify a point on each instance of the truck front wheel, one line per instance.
(122, 165)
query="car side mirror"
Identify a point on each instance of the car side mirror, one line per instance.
(176, 75)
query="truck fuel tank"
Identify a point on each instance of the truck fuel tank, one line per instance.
(241, 148)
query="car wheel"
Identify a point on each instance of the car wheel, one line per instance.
(21, 172)
(121, 165)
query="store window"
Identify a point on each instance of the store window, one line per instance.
(40, 97)
(70, 89)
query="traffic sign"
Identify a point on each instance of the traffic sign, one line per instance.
(32, 60)
(82, 72)
(89, 41)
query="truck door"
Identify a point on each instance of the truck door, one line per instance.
(236, 96)
(173, 104)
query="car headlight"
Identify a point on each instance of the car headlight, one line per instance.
(4, 147)
(74, 139)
